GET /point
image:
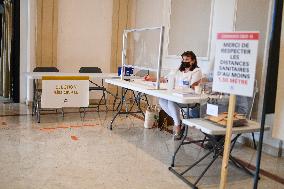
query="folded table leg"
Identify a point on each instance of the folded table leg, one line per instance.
(123, 102)
(218, 147)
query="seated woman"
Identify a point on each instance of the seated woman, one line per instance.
(188, 75)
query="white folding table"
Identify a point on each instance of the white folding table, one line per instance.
(39, 75)
(210, 130)
(145, 88)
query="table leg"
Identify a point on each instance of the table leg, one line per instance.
(38, 111)
(122, 102)
(138, 103)
(119, 107)
(193, 185)
(183, 139)
(36, 101)
(139, 97)
(218, 146)
(115, 98)
(146, 100)
(34, 98)
(181, 143)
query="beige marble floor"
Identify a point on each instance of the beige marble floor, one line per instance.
(73, 153)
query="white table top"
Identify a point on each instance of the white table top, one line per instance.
(162, 93)
(38, 75)
(210, 128)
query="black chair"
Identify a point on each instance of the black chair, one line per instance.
(36, 105)
(95, 87)
(45, 69)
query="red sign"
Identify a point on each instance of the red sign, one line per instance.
(238, 36)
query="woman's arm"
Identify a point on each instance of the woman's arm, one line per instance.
(195, 84)
(196, 78)
(149, 78)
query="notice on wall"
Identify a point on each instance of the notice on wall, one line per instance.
(65, 91)
(235, 63)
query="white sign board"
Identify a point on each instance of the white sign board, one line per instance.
(235, 62)
(212, 110)
(65, 91)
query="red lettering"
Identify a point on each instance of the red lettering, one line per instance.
(239, 81)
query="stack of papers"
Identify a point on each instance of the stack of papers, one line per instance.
(184, 92)
(149, 83)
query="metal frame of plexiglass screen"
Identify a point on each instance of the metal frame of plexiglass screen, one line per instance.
(142, 49)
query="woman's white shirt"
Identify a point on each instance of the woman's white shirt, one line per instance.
(186, 79)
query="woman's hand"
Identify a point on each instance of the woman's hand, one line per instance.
(195, 84)
(147, 78)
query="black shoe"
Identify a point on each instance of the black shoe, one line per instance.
(208, 146)
(179, 135)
